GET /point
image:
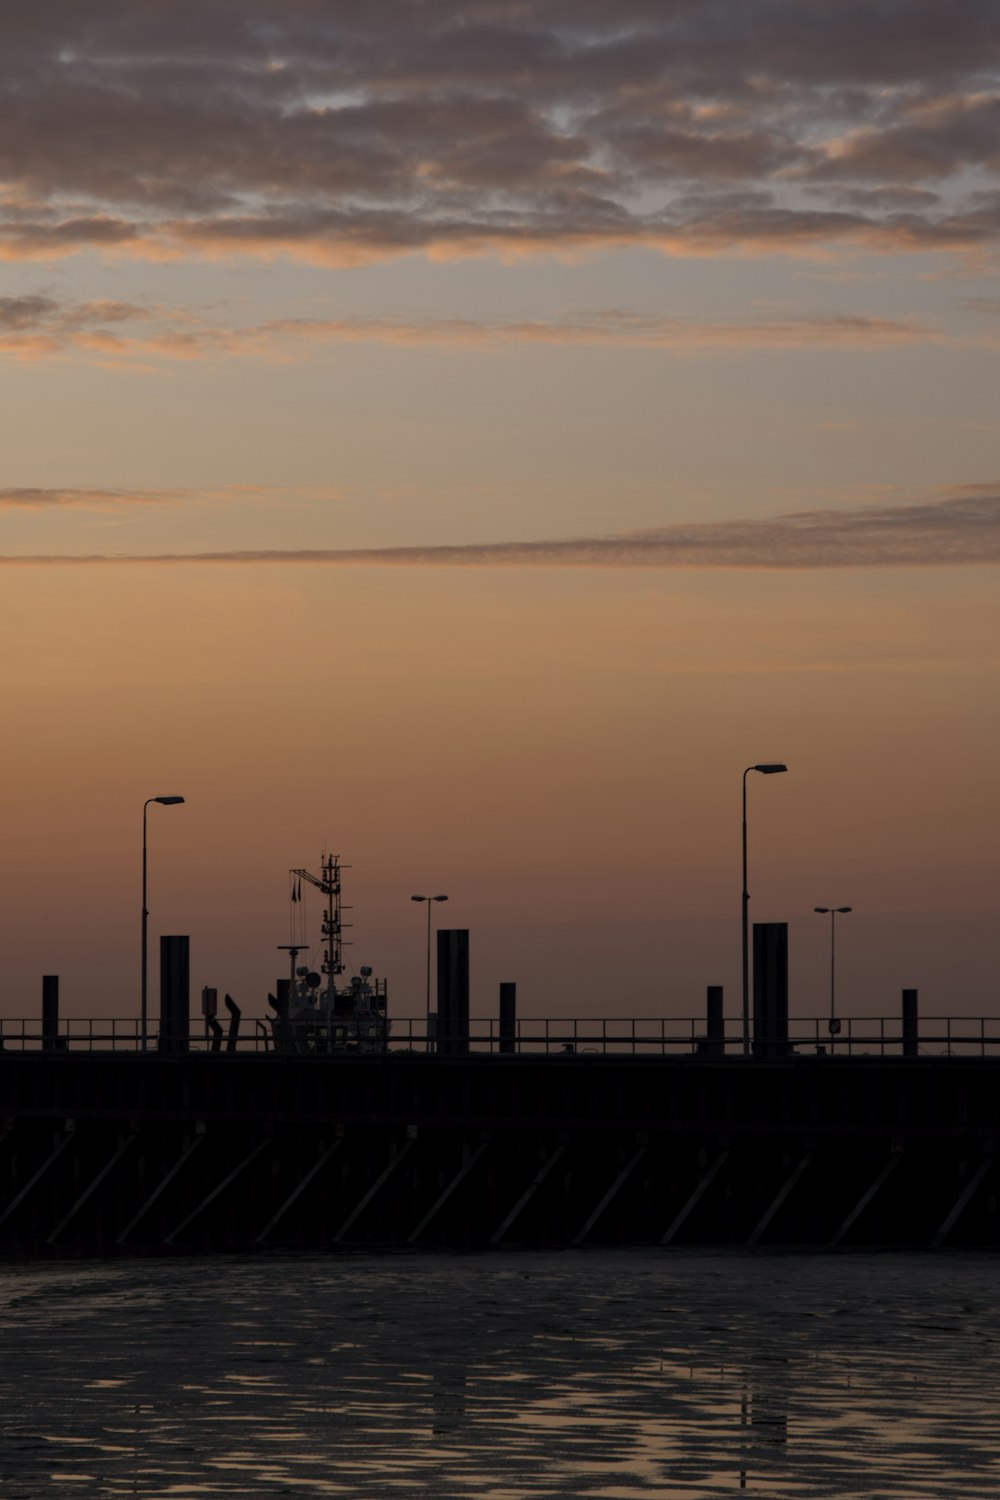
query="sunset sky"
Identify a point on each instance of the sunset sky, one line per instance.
(465, 436)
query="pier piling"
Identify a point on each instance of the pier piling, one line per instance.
(508, 1018)
(911, 1024)
(175, 1007)
(453, 990)
(715, 1025)
(770, 989)
(50, 1012)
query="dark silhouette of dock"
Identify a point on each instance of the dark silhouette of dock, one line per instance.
(313, 1132)
(110, 1151)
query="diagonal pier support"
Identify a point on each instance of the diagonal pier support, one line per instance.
(701, 1188)
(780, 1196)
(611, 1194)
(964, 1199)
(866, 1198)
(297, 1191)
(36, 1177)
(396, 1157)
(240, 1166)
(442, 1199)
(124, 1142)
(163, 1183)
(529, 1193)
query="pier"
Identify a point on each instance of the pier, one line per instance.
(110, 1150)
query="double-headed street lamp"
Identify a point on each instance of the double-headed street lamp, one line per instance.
(430, 900)
(769, 768)
(835, 912)
(164, 802)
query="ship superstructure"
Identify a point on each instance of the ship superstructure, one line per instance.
(322, 1011)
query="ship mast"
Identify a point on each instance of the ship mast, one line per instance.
(332, 928)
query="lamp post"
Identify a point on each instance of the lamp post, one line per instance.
(835, 912)
(430, 900)
(164, 802)
(768, 768)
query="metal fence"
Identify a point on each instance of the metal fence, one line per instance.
(939, 1036)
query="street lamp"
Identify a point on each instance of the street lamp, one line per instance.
(769, 768)
(164, 802)
(834, 911)
(429, 900)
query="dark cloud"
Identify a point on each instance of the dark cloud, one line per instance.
(933, 139)
(39, 311)
(39, 325)
(346, 131)
(960, 531)
(19, 313)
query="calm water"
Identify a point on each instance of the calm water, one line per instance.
(502, 1376)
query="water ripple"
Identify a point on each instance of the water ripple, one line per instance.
(601, 1376)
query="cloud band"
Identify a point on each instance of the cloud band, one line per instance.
(962, 531)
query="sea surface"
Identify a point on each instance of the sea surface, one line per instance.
(503, 1377)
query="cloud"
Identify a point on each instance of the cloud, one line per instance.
(622, 329)
(38, 325)
(31, 498)
(931, 140)
(36, 498)
(347, 133)
(960, 531)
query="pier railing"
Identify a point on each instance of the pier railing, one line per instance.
(939, 1036)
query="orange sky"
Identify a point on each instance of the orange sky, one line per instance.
(553, 748)
(691, 367)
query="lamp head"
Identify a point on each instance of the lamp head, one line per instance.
(844, 908)
(439, 898)
(769, 768)
(821, 908)
(419, 898)
(168, 801)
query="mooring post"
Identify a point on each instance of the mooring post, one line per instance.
(175, 1012)
(715, 1025)
(50, 1012)
(910, 1023)
(770, 989)
(453, 989)
(508, 1017)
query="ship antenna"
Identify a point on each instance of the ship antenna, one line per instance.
(333, 932)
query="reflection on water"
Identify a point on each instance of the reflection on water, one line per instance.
(506, 1377)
